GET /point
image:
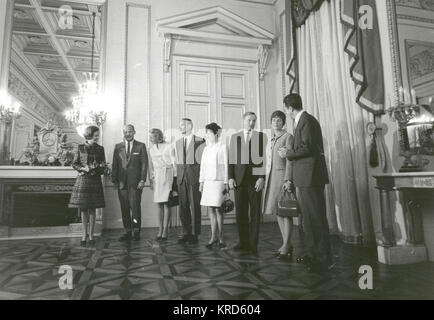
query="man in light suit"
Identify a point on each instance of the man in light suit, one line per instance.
(309, 176)
(129, 171)
(247, 176)
(188, 153)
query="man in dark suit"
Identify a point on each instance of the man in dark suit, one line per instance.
(247, 177)
(309, 176)
(188, 153)
(129, 171)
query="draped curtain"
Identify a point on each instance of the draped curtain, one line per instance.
(328, 92)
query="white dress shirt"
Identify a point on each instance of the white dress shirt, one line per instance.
(189, 138)
(131, 145)
(247, 135)
(297, 118)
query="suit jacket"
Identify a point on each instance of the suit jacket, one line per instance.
(190, 169)
(307, 154)
(247, 158)
(129, 171)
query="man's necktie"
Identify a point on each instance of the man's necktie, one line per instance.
(129, 148)
(185, 150)
(248, 136)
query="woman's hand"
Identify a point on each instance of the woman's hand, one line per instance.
(201, 187)
(282, 152)
(85, 168)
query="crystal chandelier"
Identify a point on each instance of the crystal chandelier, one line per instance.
(88, 107)
(8, 109)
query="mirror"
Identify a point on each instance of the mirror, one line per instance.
(51, 49)
(413, 45)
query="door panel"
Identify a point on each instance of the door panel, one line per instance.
(233, 85)
(214, 93)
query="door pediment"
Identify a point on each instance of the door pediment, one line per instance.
(215, 24)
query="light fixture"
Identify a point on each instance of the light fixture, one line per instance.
(88, 108)
(8, 109)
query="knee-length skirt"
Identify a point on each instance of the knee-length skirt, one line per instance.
(87, 193)
(275, 182)
(212, 193)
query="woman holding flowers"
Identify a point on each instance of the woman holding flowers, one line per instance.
(88, 194)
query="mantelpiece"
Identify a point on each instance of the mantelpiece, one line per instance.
(416, 193)
(33, 203)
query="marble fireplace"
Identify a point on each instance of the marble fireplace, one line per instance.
(34, 203)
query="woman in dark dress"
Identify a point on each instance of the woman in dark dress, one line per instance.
(87, 194)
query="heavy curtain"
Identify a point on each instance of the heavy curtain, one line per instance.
(328, 92)
(362, 44)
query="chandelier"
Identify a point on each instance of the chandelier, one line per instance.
(88, 108)
(8, 109)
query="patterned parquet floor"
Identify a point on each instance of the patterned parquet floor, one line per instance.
(29, 269)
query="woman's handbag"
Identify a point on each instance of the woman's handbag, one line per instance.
(287, 205)
(227, 205)
(173, 200)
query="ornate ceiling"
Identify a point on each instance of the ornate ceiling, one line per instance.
(49, 56)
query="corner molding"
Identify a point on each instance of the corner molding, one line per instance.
(167, 52)
(263, 54)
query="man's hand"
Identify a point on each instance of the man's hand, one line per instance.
(201, 187)
(232, 184)
(288, 186)
(141, 185)
(282, 152)
(259, 184)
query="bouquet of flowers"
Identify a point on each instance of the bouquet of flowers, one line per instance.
(99, 168)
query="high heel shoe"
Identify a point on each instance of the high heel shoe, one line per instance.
(83, 242)
(210, 245)
(222, 245)
(286, 255)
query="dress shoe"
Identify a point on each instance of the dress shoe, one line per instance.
(125, 237)
(240, 247)
(163, 239)
(158, 238)
(211, 244)
(193, 239)
(92, 242)
(136, 236)
(184, 239)
(304, 260)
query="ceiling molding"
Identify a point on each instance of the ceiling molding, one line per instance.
(42, 19)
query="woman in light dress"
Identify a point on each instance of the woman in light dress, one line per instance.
(162, 171)
(214, 181)
(277, 169)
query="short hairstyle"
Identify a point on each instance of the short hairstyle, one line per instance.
(293, 100)
(89, 132)
(187, 119)
(159, 134)
(214, 127)
(130, 126)
(249, 113)
(278, 114)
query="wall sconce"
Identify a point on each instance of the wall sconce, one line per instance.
(8, 109)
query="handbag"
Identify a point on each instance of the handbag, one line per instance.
(173, 200)
(227, 205)
(287, 205)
